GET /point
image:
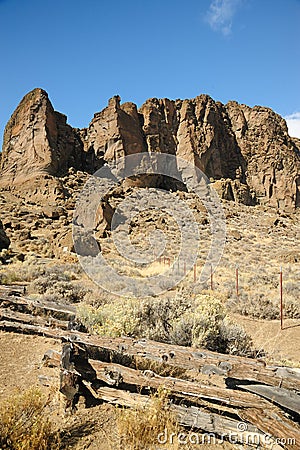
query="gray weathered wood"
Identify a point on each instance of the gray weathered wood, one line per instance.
(283, 397)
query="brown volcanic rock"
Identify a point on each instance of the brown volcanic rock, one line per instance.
(272, 157)
(248, 147)
(246, 150)
(113, 133)
(4, 240)
(37, 141)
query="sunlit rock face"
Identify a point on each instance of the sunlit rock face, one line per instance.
(247, 152)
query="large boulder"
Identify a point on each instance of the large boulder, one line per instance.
(4, 239)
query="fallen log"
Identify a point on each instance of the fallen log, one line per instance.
(212, 397)
(25, 328)
(189, 390)
(223, 403)
(15, 316)
(171, 360)
(193, 418)
(166, 359)
(280, 396)
(27, 305)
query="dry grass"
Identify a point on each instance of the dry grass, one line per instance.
(24, 425)
(155, 427)
(139, 428)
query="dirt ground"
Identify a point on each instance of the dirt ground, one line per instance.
(282, 346)
(21, 367)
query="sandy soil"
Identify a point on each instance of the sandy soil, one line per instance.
(282, 346)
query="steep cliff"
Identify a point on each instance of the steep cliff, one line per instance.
(246, 151)
(37, 141)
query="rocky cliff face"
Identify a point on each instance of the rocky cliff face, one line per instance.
(272, 158)
(247, 151)
(37, 141)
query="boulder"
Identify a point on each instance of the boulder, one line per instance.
(4, 239)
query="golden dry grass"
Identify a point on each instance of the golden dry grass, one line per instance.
(139, 428)
(24, 424)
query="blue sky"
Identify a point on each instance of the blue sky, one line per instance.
(83, 53)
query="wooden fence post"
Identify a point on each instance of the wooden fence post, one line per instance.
(281, 300)
(237, 280)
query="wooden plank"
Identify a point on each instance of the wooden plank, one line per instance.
(212, 397)
(26, 328)
(166, 359)
(283, 397)
(284, 431)
(190, 417)
(190, 390)
(184, 360)
(37, 306)
(15, 316)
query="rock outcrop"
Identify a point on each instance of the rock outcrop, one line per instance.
(246, 151)
(37, 142)
(272, 157)
(4, 240)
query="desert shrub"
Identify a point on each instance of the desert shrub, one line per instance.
(115, 319)
(208, 326)
(57, 283)
(291, 289)
(139, 428)
(23, 424)
(38, 274)
(256, 306)
(292, 308)
(155, 316)
(185, 319)
(9, 276)
(235, 338)
(45, 283)
(66, 291)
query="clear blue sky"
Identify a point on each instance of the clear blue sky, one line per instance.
(82, 53)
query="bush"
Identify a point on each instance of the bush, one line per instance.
(33, 270)
(257, 306)
(56, 283)
(23, 425)
(9, 277)
(208, 326)
(186, 319)
(260, 307)
(115, 319)
(292, 308)
(139, 427)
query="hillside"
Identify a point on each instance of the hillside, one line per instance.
(187, 251)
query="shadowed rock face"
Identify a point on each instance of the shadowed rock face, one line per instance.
(4, 240)
(247, 151)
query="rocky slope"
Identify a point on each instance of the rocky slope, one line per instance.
(246, 150)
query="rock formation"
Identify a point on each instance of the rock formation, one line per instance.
(4, 240)
(246, 151)
(37, 142)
